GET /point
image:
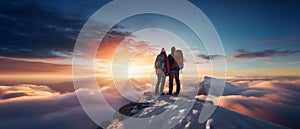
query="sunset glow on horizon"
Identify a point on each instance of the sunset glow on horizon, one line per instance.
(54, 54)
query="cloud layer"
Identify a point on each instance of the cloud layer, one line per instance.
(268, 53)
(273, 99)
(269, 98)
(28, 106)
(209, 57)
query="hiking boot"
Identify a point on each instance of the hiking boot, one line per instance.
(169, 93)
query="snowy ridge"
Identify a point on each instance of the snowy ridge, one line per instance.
(150, 106)
(229, 89)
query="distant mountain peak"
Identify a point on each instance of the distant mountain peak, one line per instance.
(206, 87)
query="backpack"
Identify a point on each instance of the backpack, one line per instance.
(160, 62)
(178, 56)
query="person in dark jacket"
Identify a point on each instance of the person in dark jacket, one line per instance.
(174, 72)
(162, 70)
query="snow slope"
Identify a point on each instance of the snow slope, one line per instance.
(159, 112)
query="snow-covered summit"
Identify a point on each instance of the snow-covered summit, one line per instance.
(229, 89)
(178, 112)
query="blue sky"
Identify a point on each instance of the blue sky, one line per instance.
(240, 23)
(257, 26)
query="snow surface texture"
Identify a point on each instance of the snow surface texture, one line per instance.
(150, 107)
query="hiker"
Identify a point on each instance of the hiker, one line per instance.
(162, 69)
(176, 64)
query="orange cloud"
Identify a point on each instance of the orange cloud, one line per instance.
(9, 66)
(21, 71)
(23, 91)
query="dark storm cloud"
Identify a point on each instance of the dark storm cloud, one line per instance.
(209, 57)
(38, 29)
(244, 54)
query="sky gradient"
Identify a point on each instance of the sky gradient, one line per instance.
(261, 40)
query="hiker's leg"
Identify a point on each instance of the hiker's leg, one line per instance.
(157, 83)
(177, 82)
(163, 82)
(171, 78)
